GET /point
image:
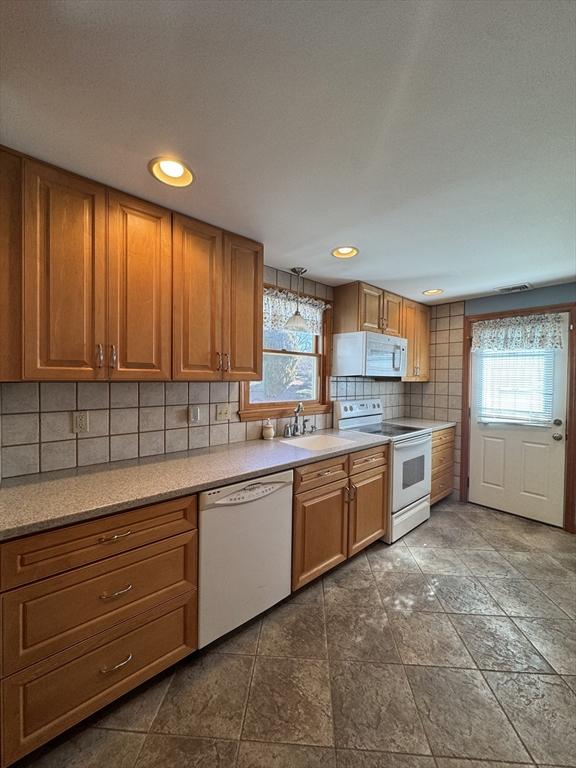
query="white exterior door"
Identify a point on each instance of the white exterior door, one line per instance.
(518, 431)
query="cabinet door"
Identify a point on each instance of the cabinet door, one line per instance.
(409, 333)
(197, 338)
(368, 515)
(140, 286)
(423, 335)
(64, 275)
(242, 318)
(370, 306)
(10, 266)
(392, 314)
(320, 531)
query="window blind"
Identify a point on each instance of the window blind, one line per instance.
(514, 386)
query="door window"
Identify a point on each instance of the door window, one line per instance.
(514, 386)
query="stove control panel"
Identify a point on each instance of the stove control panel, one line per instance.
(348, 409)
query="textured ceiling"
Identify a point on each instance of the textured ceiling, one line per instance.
(436, 136)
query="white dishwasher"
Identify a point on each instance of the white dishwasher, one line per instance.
(245, 552)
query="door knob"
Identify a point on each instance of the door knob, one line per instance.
(557, 436)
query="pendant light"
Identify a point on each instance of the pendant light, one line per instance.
(297, 322)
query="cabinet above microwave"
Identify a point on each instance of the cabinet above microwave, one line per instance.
(369, 354)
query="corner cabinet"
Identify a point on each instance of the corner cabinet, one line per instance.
(64, 265)
(416, 329)
(140, 289)
(217, 304)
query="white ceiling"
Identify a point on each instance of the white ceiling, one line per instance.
(435, 135)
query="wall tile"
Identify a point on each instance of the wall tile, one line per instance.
(237, 432)
(253, 430)
(93, 451)
(20, 428)
(124, 394)
(269, 275)
(98, 425)
(283, 279)
(442, 310)
(457, 308)
(233, 391)
(151, 443)
(93, 395)
(176, 393)
(151, 393)
(20, 460)
(56, 426)
(58, 396)
(176, 416)
(151, 418)
(219, 392)
(20, 397)
(198, 392)
(60, 455)
(123, 421)
(123, 447)
(219, 434)
(457, 322)
(176, 440)
(198, 437)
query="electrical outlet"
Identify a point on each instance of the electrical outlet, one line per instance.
(80, 421)
(222, 412)
(193, 414)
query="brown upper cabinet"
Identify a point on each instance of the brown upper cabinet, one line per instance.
(364, 307)
(140, 289)
(416, 328)
(100, 285)
(217, 304)
(64, 313)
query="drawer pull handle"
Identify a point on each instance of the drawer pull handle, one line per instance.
(326, 472)
(109, 670)
(115, 537)
(114, 595)
(369, 459)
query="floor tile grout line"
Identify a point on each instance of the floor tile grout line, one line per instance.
(249, 688)
(332, 708)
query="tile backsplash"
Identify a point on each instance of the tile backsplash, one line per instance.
(126, 420)
(394, 394)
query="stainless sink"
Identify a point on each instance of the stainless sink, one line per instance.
(318, 442)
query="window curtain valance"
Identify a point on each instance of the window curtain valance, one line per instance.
(279, 306)
(518, 333)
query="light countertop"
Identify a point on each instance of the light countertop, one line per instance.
(40, 502)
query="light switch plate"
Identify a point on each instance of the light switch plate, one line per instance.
(222, 412)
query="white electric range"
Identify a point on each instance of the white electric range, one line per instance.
(410, 459)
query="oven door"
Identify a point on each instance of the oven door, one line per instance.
(412, 472)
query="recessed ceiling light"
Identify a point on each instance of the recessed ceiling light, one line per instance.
(433, 292)
(345, 252)
(171, 171)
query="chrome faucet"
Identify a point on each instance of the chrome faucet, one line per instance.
(296, 430)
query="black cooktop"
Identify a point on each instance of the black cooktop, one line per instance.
(391, 430)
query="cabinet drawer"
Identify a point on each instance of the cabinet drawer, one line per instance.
(360, 461)
(442, 438)
(42, 619)
(47, 554)
(442, 460)
(46, 699)
(320, 473)
(441, 486)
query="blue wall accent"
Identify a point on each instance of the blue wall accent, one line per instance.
(538, 297)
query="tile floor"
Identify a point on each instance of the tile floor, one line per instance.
(455, 645)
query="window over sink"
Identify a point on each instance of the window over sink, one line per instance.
(295, 365)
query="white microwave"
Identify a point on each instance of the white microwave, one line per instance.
(368, 354)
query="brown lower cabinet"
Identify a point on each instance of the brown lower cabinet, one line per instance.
(335, 519)
(89, 612)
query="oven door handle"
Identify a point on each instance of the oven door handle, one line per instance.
(411, 442)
